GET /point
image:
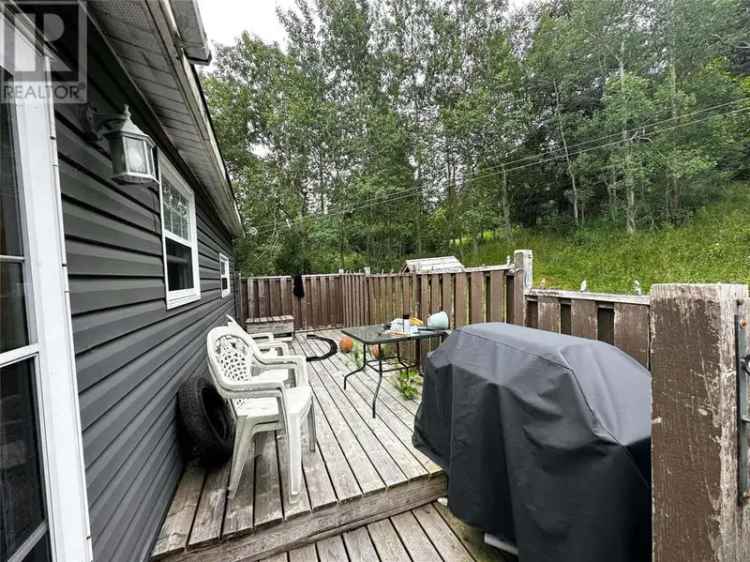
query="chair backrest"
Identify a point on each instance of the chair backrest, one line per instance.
(233, 325)
(229, 356)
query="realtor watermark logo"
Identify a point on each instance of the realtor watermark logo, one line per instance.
(59, 31)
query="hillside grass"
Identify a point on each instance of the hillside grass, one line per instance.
(714, 246)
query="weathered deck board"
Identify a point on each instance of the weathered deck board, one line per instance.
(300, 504)
(398, 420)
(414, 538)
(359, 546)
(176, 529)
(363, 470)
(386, 541)
(319, 486)
(327, 463)
(445, 542)
(396, 406)
(401, 454)
(332, 550)
(210, 514)
(240, 509)
(378, 456)
(304, 554)
(278, 558)
(268, 508)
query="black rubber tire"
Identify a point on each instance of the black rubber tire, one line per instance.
(207, 421)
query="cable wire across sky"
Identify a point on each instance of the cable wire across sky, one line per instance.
(533, 160)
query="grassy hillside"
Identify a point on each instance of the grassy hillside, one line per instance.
(714, 246)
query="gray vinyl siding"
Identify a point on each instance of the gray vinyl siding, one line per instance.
(132, 353)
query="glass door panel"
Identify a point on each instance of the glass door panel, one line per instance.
(24, 531)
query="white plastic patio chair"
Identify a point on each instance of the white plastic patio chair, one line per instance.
(260, 400)
(270, 348)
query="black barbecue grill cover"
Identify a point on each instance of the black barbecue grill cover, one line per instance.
(545, 439)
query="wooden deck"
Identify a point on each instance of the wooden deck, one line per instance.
(423, 534)
(364, 470)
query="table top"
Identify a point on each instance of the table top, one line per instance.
(373, 334)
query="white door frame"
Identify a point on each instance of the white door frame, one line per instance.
(50, 321)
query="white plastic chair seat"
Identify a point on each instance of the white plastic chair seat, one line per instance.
(266, 410)
(276, 375)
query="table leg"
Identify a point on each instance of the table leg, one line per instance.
(358, 369)
(418, 358)
(380, 381)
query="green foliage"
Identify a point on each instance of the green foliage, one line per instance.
(407, 382)
(713, 246)
(393, 128)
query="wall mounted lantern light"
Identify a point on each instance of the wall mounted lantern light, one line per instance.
(131, 149)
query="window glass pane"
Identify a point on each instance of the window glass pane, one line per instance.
(224, 283)
(179, 266)
(176, 212)
(13, 325)
(166, 213)
(41, 552)
(21, 486)
(10, 226)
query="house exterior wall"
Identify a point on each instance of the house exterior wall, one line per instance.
(132, 354)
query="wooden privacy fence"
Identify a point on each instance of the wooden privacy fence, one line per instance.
(482, 294)
(350, 299)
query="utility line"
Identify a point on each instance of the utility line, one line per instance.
(399, 195)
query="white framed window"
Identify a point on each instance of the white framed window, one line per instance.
(180, 238)
(42, 479)
(226, 282)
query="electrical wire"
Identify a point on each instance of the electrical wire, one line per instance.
(539, 159)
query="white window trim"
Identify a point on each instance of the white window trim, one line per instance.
(184, 296)
(58, 409)
(228, 291)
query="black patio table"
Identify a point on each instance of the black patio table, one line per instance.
(377, 334)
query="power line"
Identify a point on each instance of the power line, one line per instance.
(415, 190)
(539, 160)
(535, 157)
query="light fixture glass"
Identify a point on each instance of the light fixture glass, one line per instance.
(131, 150)
(135, 155)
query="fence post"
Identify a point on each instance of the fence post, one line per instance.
(250, 299)
(238, 300)
(522, 280)
(696, 513)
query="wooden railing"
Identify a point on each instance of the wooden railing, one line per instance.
(621, 320)
(483, 294)
(349, 299)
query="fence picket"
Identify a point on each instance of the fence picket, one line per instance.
(436, 296)
(447, 286)
(549, 314)
(262, 297)
(496, 302)
(460, 300)
(424, 299)
(583, 319)
(631, 330)
(476, 298)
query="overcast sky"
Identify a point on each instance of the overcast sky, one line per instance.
(226, 19)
